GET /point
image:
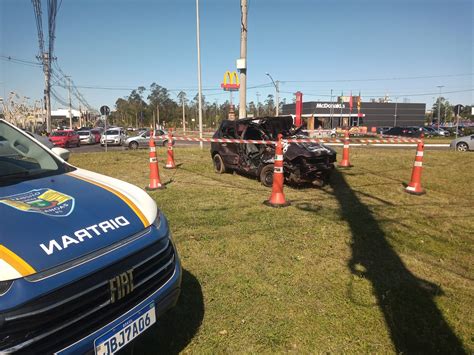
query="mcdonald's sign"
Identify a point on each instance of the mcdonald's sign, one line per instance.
(231, 81)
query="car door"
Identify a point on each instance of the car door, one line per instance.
(144, 139)
(160, 137)
(230, 151)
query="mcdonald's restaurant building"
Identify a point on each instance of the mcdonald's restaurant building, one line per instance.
(372, 114)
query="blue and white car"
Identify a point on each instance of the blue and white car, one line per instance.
(87, 262)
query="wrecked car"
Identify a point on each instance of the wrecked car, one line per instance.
(303, 162)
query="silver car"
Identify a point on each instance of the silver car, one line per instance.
(463, 144)
(143, 140)
(86, 137)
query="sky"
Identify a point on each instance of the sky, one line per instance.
(402, 48)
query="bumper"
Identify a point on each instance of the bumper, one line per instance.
(66, 310)
(163, 299)
(111, 141)
(87, 141)
(59, 144)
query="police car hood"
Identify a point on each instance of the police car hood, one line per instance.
(49, 221)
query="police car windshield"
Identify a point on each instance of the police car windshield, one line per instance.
(21, 158)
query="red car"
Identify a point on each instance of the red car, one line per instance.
(65, 138)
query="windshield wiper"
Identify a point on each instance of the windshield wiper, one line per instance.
(15, 175)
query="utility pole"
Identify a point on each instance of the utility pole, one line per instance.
(157, 115)
(258, 103)
(243, 60)
(69, 95)
(47, 90)
(199, 72)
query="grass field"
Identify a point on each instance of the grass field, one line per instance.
(357, 266)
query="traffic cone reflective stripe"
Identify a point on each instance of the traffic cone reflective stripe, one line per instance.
(345, 163)
(170, 161)
(155, 182)
(277, 198)
(414, 187)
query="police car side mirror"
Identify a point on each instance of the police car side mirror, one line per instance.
(61, 152)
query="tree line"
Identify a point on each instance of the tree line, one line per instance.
(139, 110)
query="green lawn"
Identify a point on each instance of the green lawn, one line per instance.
(358, 266)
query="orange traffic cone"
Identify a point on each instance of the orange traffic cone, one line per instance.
(277, 199)
(345, 152)
(414, 187)
(170, 161)
(155, 182)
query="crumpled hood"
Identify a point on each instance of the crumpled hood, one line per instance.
(307, 150)
(46, 222)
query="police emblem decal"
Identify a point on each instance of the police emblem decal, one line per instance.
(45, 201)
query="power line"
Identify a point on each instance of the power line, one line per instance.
(20, 61)
(392, 94)
(377, 79)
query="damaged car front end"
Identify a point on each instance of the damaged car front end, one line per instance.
(303, 162)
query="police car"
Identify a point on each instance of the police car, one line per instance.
(87, 262)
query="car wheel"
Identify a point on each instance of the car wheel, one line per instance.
(266, 175)
(78, 144)
(461, 147)
(66, 145)
(219, 166)
(133, 145)
(165, 143)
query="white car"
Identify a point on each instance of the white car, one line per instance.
(113, 136)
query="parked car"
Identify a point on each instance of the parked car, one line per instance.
(86, 137)
(65, 138)
(382, 130)
(443, 132)
(463, 144)
(403, 132)
(97, 134)
(303, 162)
(87, 261)
(143, 139)
(113, 136)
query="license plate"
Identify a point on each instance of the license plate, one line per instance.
(116, 338)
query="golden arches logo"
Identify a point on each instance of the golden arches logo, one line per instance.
(231, 81)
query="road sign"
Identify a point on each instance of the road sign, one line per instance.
(458, 109)
(105, 110)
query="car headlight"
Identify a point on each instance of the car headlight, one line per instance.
(157, 221)
(5, 286)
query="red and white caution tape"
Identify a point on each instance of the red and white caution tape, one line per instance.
(299, 140)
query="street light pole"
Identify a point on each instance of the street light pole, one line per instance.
(199, 73)
(184, 117)
(395, 115)
(277, 89)
(258, 103)
(331, 110)
(439, 106)
(69, 94)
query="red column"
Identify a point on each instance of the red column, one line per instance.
(299, 108)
